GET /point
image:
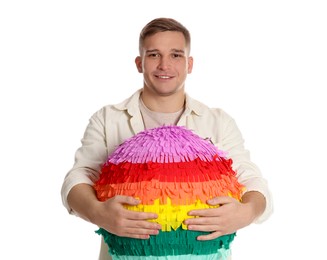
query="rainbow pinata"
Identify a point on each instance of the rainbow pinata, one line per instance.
(172, 171)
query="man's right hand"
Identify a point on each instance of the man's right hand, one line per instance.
(116, 219)
(111, 214)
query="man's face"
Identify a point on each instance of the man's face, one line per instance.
(164, 62)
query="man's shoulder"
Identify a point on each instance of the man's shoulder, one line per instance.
(128, 104)
(201, 108)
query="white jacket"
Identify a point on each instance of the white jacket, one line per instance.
(113, 124)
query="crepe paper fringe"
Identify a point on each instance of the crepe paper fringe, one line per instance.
(222, 254)
(196, 170)
(179, 193)
(179, 242)
(184, 184)
(164, 144)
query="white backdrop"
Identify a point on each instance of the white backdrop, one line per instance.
(264, 62)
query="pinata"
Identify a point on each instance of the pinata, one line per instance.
(171, 170)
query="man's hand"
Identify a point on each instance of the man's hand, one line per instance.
(113, 217)
(230, 216)
(111, 214)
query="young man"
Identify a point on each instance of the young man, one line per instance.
(164, 61)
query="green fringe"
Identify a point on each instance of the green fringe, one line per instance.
(179, 242)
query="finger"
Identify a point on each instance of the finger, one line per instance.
(210, 236)
(141, 231)
(138, 231)
(204, 228)
(138, 236)
(133, 235)
(135, 214)
(220, 200)
(138, 215)
(213, 212)
(127, 200)
(135, 229)
(203, 221)
(147, 225)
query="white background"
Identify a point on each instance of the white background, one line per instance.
(264, 62)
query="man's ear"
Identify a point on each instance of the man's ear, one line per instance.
(138, 63)
(190, 65)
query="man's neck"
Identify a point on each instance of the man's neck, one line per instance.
(164, 104)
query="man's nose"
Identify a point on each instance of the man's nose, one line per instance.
(164, 63)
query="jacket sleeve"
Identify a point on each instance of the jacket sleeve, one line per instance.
(247, 171)
(89, 157)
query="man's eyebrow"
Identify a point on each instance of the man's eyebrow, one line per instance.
(172, 50)
(178, 50)
(153, 50)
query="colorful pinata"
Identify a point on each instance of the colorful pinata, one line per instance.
(172, 171)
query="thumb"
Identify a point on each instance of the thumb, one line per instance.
(127, 200)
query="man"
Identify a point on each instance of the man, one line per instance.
(164, 61)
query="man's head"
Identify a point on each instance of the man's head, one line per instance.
(163, 25)
(164, 58)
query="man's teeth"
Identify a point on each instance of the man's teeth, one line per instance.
(164, 77)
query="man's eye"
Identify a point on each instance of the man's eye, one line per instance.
(154, 55)
(176, 55)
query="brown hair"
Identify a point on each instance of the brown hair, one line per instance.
(162, 25)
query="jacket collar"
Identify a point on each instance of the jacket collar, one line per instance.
(132, 105)
(193, 106)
